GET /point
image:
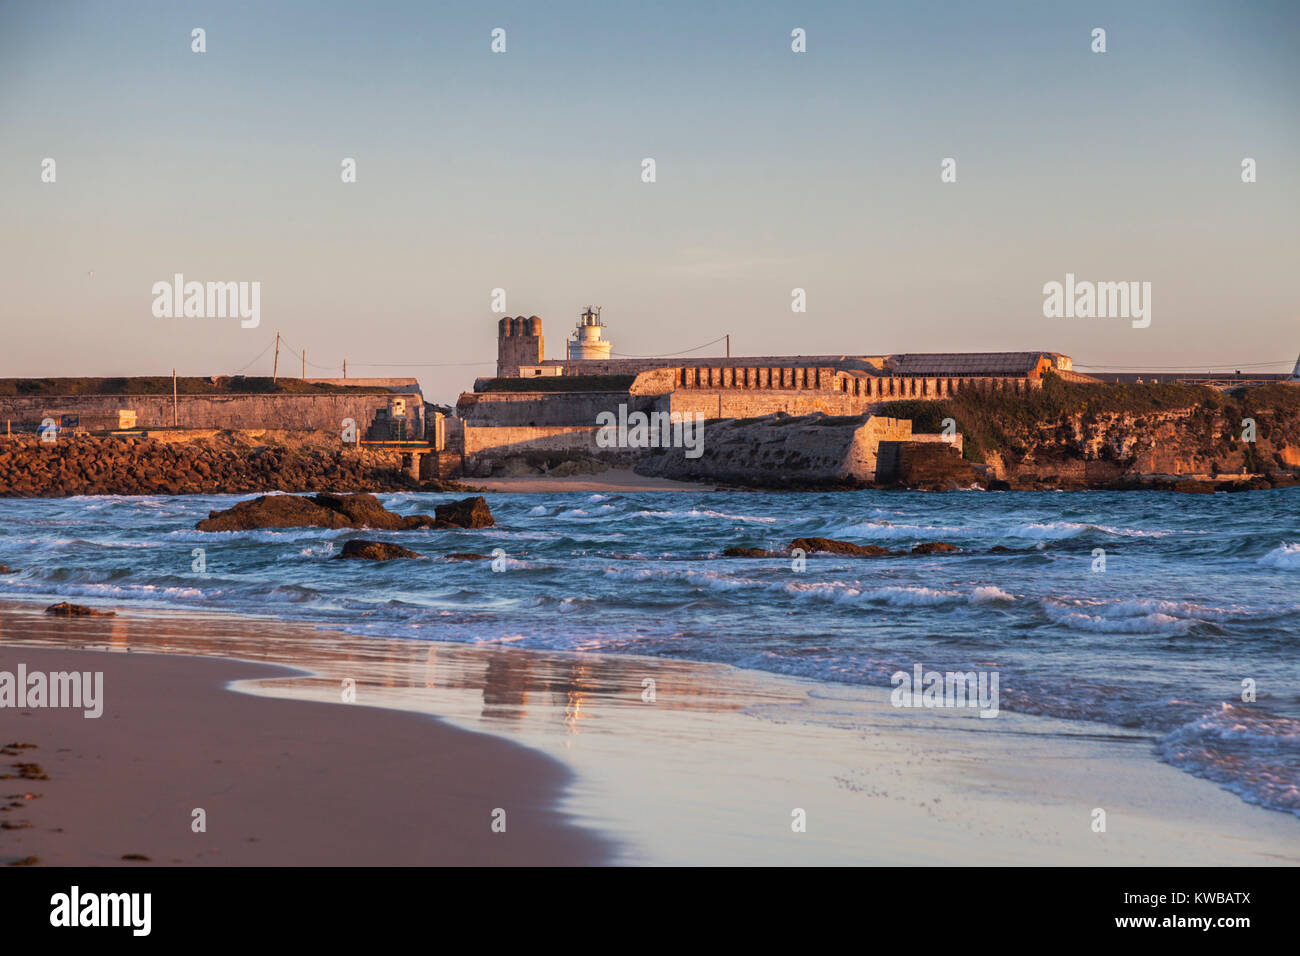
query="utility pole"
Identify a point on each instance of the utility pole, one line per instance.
(304, 363)
(275, 368)
(345, 368)
(174, 415)
(728, 345)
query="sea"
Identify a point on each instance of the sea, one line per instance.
(1174, 616)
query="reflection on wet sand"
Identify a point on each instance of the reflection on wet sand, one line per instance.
(495, 685)
(702, 763)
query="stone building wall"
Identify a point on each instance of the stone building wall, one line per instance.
(293, 412)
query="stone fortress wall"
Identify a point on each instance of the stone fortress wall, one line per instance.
(506, 419)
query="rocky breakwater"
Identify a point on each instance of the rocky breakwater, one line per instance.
(342, 511)
(225, 462)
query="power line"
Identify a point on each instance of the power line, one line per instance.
(417, 364)
(1178, 368)
(670, 354)
(259, 355)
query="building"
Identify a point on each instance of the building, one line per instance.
(585, 342)
(539, 407)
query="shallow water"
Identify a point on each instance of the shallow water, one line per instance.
(1198, 593)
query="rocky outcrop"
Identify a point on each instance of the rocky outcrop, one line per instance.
(934, 547)
(1169, 436)
(375, 551)
(223, 463)
(933, 466)
(467, 513)
(751, 553)
(64, 609)
(341, 511)
(831, 546)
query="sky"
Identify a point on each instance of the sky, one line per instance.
(522, 171)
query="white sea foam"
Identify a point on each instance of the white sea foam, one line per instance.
(1059, 530)
(1255, 755)
(704, 513)
(1114, 619)
(888, 531)
(1285, 556)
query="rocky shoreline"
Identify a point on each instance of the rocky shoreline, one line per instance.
(226, 463)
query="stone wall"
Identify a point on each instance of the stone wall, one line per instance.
(783, 451)
(541, 409)
(297, 412)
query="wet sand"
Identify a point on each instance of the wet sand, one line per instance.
(674, 762)
(279, 782)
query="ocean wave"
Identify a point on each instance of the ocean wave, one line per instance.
(889, 531)
(1060, 530)
(703, 513)
(1285, 556)
(1101, 620)
(1251, 753)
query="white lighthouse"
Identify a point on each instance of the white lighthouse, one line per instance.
(585, 341)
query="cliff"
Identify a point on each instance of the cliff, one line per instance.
(1123, 435)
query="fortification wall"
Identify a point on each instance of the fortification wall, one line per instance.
(293, 412)
(779, 450)
(540, 409)
(487, 448)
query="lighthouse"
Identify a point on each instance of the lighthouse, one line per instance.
(585, 341)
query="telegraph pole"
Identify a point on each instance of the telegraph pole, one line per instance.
(275, 368)
(345, 368)
(304, 363)
(728, 345)
(174, 415)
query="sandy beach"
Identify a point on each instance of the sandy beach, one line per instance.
(713, 769)
(278, 782)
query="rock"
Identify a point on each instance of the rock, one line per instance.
(467, 513)
(997, 484)
(832, 546)
(1003, 549)
(5, 569)
(466, 556)
(750, 553)
(935, 547)
(361, 510)
(64, 609)
(375, 551)
(274, 511)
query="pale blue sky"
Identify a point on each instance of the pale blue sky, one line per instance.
(522, 170)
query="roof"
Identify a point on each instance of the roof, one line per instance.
(965, 363)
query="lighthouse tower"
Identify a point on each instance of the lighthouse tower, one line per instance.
(585, 341)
